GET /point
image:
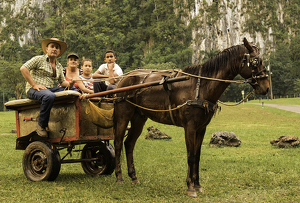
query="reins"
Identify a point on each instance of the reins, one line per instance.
(177, 107)
(176, 70)
(249, 95)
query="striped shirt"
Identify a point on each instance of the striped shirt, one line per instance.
(42, 72)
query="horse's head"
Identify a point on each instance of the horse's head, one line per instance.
(254, 70)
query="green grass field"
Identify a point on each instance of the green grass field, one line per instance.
(252, 172)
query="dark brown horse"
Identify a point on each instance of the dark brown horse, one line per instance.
(199, 104)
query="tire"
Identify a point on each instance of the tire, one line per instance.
(41, 161)
(105, 163)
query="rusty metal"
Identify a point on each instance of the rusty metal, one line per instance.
(78, 160)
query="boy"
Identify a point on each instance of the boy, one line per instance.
(86, 67)
(108, 70)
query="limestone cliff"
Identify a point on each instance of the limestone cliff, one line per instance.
(215, 31)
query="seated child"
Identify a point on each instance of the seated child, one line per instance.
(107, 70)
(85, 86)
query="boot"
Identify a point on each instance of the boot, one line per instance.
(41, 131)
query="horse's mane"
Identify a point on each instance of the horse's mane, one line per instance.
(228, 58)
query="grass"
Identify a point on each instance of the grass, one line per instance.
(253, 172)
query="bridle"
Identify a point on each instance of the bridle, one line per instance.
(253, 63)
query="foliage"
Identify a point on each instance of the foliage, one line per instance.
(150, 33)
(11, 78)
(297, 85)
(140, 32)
(162, 66)
(209, 54)
(281, 67)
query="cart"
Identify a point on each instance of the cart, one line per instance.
(69, 125)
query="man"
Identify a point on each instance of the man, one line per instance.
(41, 73)
(108, 70)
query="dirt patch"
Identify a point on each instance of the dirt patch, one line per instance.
(8, 134)
(292, 108)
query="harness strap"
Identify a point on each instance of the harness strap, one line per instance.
(198, 85)
(168, 88)
(204, 104)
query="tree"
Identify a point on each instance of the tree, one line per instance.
(209, 54)
(282, 76)
(12, 78)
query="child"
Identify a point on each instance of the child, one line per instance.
(108, 70)
(85, 86)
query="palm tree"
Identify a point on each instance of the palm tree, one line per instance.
(209, 54)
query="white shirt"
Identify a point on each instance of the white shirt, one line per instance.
(104, 70)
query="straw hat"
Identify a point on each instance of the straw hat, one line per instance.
(63, 45)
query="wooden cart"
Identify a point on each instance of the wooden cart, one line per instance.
(69, 125)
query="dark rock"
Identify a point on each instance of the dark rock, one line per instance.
(224, 138)
(154, 133)
(285, 141)
(13, 131)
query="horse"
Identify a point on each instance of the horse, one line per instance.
(189, 104)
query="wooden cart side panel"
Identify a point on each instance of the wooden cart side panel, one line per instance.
(17, 123)
(61, 117)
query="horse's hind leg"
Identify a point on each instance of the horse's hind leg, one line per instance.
(123, 113)
(137, 124)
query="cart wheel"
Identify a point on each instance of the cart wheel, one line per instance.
(105, 163)
(41, 161)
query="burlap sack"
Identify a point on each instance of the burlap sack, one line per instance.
(100, 117)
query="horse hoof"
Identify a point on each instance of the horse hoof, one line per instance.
(135, 181)
(191, 193)
(198, 189)
(119, 182)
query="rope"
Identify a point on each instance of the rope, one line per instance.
(215, 79)
(178, 107)
(161, 71)
(121, 76)
(249, 95)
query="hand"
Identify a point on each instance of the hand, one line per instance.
(110, 66)
(71, 83)
(38, 87)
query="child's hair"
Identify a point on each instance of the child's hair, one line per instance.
(84, 60)
(110, 51)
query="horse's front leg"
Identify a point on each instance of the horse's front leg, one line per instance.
(193, 139)
(190, 138)
(199, 139)
(137, 124)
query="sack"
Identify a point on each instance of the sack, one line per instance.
(100, 117)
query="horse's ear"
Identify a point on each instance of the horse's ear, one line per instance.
(248, 46)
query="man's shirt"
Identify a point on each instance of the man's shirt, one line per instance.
(42, 72)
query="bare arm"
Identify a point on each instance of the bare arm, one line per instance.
(67, 84)
(82, 87)
(111, 73)
(26, 74)
(98, 74)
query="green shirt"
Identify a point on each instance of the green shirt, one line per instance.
(42, 72)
